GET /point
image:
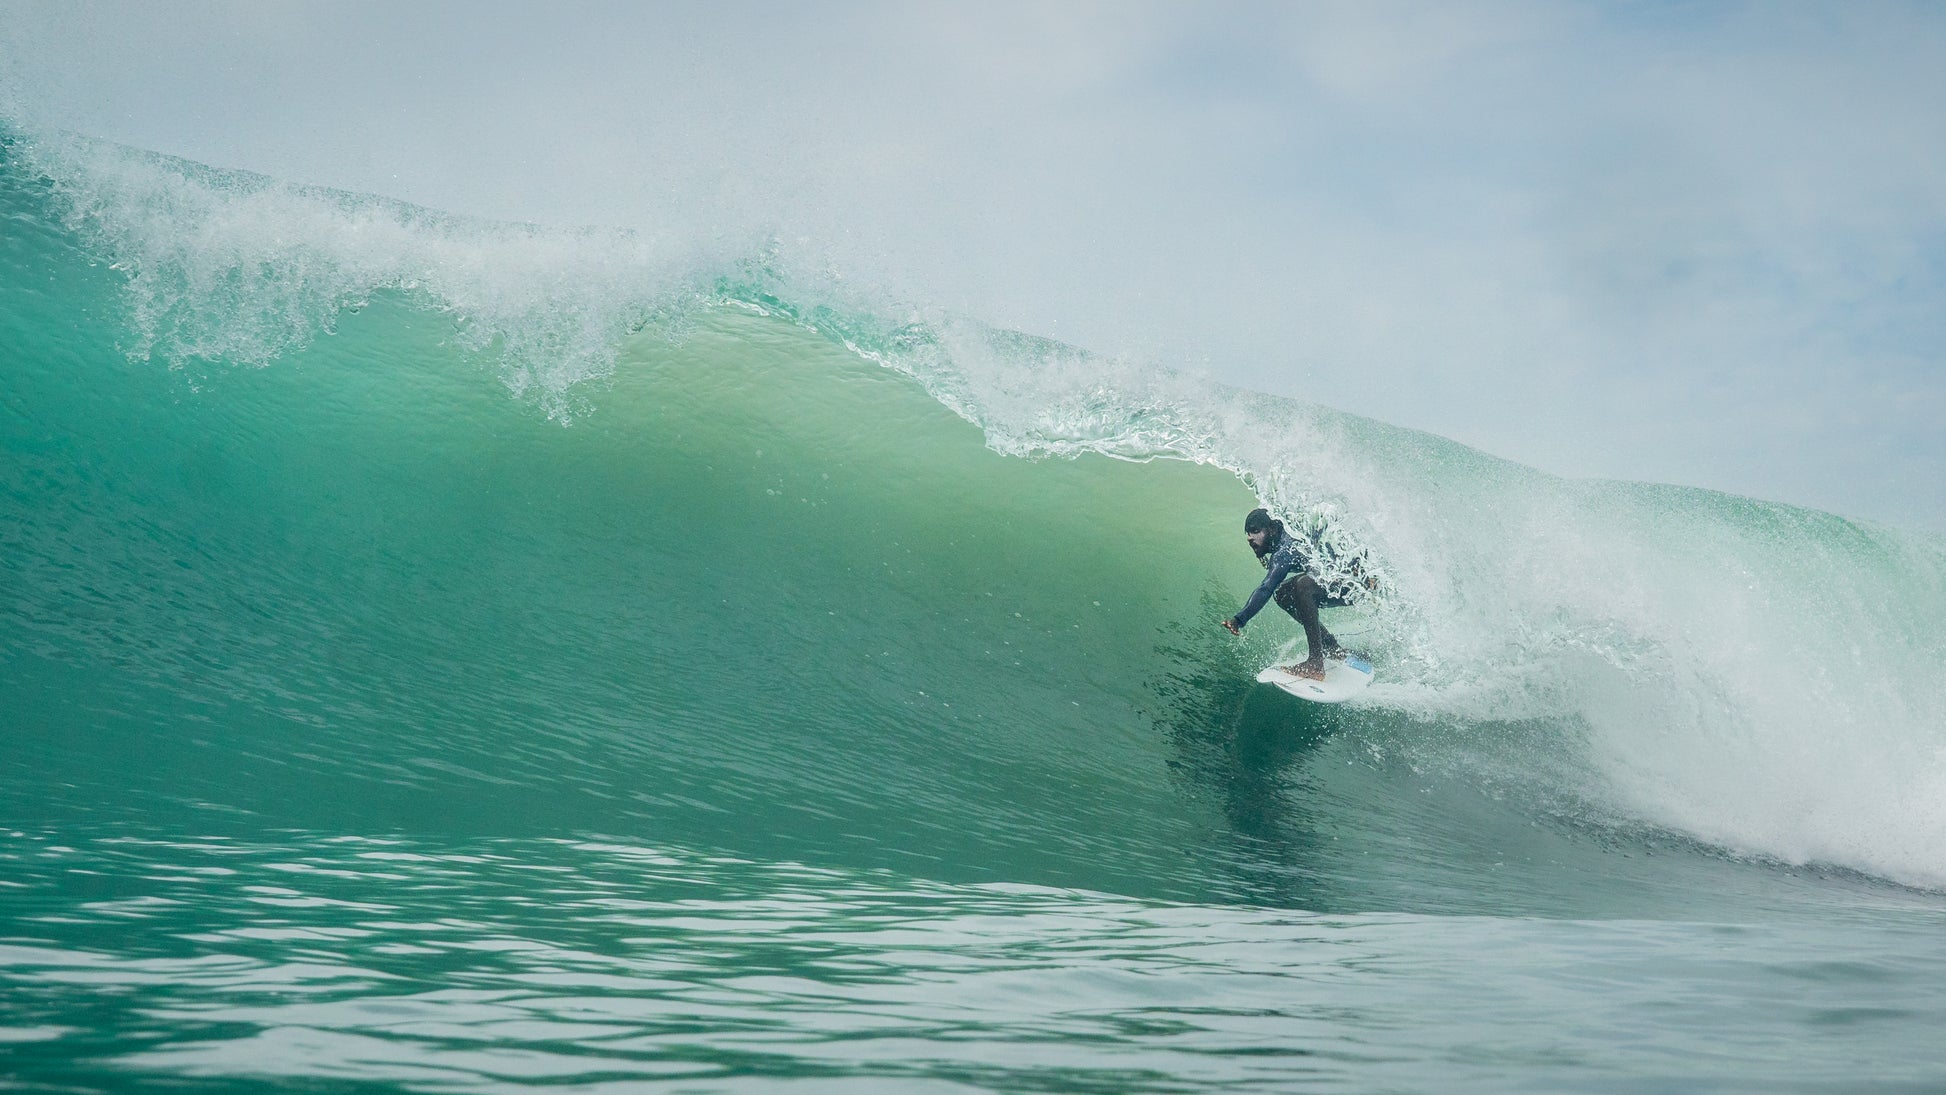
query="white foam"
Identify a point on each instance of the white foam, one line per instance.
(233, 267)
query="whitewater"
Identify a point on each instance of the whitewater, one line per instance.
(447, 654)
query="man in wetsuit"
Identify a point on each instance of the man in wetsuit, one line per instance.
(1297, 593)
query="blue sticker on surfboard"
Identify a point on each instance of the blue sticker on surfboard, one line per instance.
(1342, 680)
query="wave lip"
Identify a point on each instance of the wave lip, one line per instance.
(231, 266)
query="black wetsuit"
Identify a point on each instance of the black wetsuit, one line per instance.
(1289, 581)
(1286, 558)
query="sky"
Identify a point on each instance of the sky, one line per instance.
(1698, 243)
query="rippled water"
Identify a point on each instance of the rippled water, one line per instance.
(133, 962)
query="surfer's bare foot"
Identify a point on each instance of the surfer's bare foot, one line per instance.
(1311, 669)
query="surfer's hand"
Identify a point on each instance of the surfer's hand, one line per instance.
(1232, 625)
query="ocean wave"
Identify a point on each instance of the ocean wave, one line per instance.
(1762, 678)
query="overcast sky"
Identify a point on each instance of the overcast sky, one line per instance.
(1692, 243)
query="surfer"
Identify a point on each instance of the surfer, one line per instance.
(1284, 555)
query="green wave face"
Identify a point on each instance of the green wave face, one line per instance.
(524, 533)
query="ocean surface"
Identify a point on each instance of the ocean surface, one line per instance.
(440, 656)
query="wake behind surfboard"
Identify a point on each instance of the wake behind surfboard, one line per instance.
(1342, 680)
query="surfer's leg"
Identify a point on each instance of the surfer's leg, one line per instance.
(1332, 647)
(1299, 597)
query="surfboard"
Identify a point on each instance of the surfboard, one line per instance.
(1342, 680)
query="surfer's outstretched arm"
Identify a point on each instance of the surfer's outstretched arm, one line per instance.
(1259, 597)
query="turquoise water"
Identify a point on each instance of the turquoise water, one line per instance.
(454, 656)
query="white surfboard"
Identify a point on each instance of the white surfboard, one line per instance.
(1342, 680)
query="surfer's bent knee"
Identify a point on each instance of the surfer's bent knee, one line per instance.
(1289, 592)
